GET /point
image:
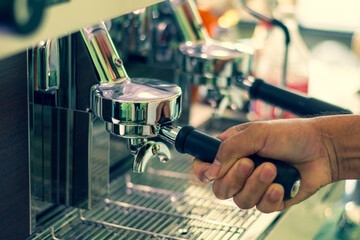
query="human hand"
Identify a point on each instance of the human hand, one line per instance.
(298, 142)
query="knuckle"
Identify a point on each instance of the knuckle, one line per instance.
(264, 208)
(243, 202)
(255, 126)
(249, 196)
(252, 187)
(225, 150)
(221, 192)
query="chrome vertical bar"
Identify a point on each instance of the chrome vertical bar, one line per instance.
(103, 54)
(189, 20)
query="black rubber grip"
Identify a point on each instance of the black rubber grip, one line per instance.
(205, 147)
(298, 104)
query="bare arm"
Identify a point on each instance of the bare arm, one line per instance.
(324, 149)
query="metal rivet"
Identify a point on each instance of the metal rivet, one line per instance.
(295, 188)
(118, 62)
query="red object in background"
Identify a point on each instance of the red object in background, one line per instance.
(210, 21)
(262, 110)
(269, 65)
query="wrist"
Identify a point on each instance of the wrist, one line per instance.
(340, 136)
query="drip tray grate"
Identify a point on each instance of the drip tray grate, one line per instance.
(161, 204)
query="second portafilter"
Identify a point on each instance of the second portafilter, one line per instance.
(141, 108)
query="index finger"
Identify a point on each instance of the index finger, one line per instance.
(232, 131)
(200, 168)
(248, 140)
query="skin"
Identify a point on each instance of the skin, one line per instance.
(323, 149)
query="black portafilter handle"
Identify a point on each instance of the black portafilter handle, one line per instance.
(205, 147)
(296, 103)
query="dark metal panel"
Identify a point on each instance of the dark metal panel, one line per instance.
(85, 74)
(14, 166)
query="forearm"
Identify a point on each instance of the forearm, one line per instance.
(341, 138)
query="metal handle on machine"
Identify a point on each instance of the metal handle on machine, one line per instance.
(103, 53)
(188, 140)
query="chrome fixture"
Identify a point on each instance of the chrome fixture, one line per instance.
(136, 107)
(47, 57)
(69, 166)
(206, 62)
(214, 64)
(189, 20)
(156, 33)
(107, 62)
(131, 108)
(146, 151)
(217, 66)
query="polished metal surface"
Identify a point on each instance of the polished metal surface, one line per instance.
(69, 148)
(295, 188)
(103, 53)
(135, 107)
(69, 157)
(151, 35)
(133, 32)
(169, 133)
(149, 151)
(132, 131)
(134, 144)
(47, 65)
(167, 202)
(213, 63)
(218, 66)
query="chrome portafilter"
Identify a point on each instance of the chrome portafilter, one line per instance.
(135, 109)
(215, 65)
(222, 65)
(206, 62)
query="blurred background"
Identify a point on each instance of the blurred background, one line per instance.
(323, 54)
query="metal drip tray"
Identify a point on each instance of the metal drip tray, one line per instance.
(161, 204)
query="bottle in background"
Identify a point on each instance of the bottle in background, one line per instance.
(269, 60)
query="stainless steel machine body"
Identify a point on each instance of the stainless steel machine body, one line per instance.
(69, 149)
(131, 108)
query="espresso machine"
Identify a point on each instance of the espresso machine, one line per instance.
(139, 111)
(99, 136)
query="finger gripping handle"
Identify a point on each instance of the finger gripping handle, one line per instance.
(205, 147)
